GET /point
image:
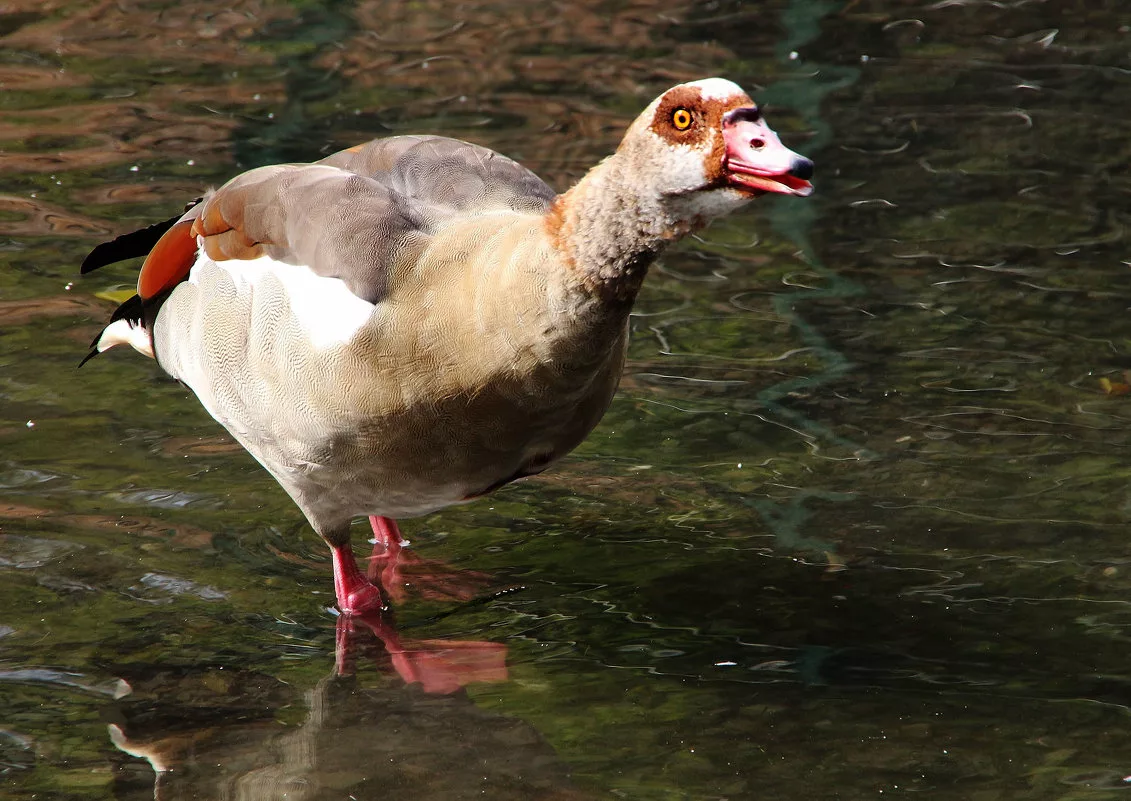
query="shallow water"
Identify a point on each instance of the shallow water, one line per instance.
(856, 524)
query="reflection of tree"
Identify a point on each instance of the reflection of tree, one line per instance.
(159, 33)
(114, 88)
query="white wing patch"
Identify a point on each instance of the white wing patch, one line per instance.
(327, 313)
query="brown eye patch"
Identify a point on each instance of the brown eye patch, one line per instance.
(704, 123)
(683, 117)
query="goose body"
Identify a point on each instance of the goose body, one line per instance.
(416, 321)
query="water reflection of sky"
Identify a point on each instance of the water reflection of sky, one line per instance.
(856, 521)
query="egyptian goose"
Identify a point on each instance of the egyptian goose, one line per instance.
(416, 321)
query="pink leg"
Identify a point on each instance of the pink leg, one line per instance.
(387, 534)
(393, 569)
(354, 592)
(385, 561)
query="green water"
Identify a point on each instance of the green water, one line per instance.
(856, 525)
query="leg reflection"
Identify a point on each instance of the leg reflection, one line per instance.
(438, 666)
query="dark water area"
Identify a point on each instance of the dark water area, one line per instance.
(856, 525)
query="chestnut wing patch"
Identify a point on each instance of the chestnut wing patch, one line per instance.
(170, 260)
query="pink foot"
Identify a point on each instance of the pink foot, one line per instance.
(396, 568)
(355, 594)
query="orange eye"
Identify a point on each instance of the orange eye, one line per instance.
(681, 119)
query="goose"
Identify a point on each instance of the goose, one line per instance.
(417, 321)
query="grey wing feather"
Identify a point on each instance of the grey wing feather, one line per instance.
(361, 214)
(444, 177)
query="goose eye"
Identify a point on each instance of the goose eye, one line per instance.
(681, 119)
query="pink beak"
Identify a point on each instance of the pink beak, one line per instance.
(757, 161)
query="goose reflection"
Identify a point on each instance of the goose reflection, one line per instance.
(416, 734)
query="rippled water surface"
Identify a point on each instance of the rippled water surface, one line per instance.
(856, 524)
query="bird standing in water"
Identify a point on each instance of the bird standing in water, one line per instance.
(417, 321)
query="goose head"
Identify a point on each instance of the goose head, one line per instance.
(703, 149)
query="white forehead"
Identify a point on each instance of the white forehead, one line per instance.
(717, 88)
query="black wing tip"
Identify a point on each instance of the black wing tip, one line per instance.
(106, 253)
(133, 310)
(131, 245)
(94, 351)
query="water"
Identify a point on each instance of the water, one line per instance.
(855, 526)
